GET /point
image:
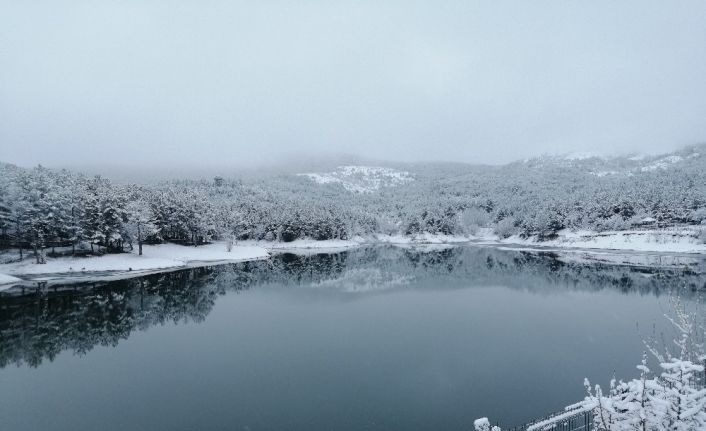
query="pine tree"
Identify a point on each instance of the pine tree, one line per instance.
(140, 223)
(684, 400)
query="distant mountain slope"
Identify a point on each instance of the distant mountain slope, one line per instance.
(362, 179)
(628, 165)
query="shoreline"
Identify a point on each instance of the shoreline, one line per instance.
(618, 248)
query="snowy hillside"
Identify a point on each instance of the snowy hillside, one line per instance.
(540, 199)
(362, 179)
(629, 165)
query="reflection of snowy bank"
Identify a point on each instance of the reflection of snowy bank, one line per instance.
(423, 238)
(387, 267)
(365, 280)
(634, 259)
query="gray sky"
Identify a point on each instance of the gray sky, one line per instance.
(221, 82)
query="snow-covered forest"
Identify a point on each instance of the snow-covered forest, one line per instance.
(42, 208)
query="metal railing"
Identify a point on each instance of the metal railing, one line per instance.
(570, 420)
(576, 418)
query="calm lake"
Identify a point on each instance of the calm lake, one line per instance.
(376, 338)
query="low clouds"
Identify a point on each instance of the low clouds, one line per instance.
(129, 82)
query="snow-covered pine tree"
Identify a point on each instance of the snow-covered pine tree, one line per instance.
(140, 222)
(91, 216)
(684, 401)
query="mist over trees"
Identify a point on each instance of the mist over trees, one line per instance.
(42, 208)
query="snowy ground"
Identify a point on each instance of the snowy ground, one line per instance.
(673, 240)
(6, 281)
(155, 258)
(309, 244)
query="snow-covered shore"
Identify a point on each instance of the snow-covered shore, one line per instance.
(155, 258)
(668, 240)
(7, 280)
(308, 244)
(671, 240)
(168, 257)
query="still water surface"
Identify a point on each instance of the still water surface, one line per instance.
(378, 338)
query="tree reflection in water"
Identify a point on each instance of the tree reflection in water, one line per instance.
(38, 324)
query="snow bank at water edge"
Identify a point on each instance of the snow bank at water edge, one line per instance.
(674, 240)
(314, 246)
(305, 246)
(155, 257)
(6, 281)
(310, 244)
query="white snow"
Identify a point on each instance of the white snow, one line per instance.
(604, 173)
(672, 240)
(7, 280)
(365, 280)
(163, 257)
(362, 179)
(309, 244)
(154, 258)
(551, 422)
(662, 163)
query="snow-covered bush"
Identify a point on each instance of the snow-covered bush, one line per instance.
(614, 222)
(506, 227)
(699, 216)
(483, 424)
(702, 232)
(675, 400)
(474, 218)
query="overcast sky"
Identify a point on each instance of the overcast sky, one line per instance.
(220, 82)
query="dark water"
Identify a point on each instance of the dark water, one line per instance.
(378, 338)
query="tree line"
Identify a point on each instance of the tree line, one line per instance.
(42, 208)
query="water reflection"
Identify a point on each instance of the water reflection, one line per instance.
(38, 324)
